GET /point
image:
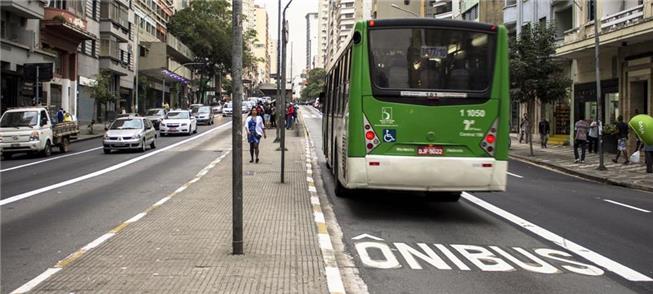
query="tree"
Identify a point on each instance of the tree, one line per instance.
(315, 83)
(101, 92)
(534, 73)
(205, 27)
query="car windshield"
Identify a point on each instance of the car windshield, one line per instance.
(127, 124)
(431, 59)
(178, 115)
(204, 110)
(19, 119)
(153, 112)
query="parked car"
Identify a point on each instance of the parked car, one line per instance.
(205, 115)
(155, 115)
(227, 109)
(31, 130)
(216, 109)
(178, 122)
(129, 133)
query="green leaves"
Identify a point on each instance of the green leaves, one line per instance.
(100, 89)
(316, 80)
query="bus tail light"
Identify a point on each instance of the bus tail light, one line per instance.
(371, 139)
(489, 141)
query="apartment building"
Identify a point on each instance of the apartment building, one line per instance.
(311, 39)
(343, 14)
(163, 74)
(261, 46)
(487, 11)
(626, 59)
(322, 33)
(21, 44)
(440, 9)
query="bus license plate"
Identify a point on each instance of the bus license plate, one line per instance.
(430, 150)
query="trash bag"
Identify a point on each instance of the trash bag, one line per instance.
(634, 158)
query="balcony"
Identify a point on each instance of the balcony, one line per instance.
(623, 18)
(113, 58)
(178, 50)
(28, 9)
(109, 27)
(62, 24)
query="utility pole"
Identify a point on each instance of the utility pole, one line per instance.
(284, 36)
(280, 107)
(237, 127)
(599, 98)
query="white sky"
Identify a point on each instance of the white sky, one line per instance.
(296, 16)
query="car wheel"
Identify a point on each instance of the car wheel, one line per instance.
(107, 150)
(195, 130)
(142, 149)
(64, 146)
(6, 156)
(153, 144)
(47, 151)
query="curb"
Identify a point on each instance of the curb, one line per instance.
(599, 179)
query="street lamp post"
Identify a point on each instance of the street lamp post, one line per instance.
(284, 33)
(599, 98)
(237, 129)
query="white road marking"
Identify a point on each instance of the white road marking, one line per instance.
(363, 236)
(40, 278)
(515, 175)
(626, 205)
(49, 159)
(598, 259)
(98, 241)
(137, 217)
(106, 170)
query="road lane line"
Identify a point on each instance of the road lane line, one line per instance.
(626, 205)
(40, 278)
(50, 159)
(515, 175)
(79, 253)
(106, 170)
(598, 259)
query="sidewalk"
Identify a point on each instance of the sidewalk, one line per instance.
(562, 158)
(184, 244)
(85, 134)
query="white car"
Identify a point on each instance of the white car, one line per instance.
(227, 109)
(178, 122)
(129, 133)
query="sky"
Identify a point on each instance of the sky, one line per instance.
(296, 16)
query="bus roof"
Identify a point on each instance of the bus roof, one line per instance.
(432, 22)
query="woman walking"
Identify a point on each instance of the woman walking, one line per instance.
(255, 130)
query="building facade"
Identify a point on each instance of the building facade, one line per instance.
(487, 11)
(626, 59)
(261, 46)
(311, 40)
(343, 15)
(322, 33)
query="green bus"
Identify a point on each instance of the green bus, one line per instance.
(418, 105)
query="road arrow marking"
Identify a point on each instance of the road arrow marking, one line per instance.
(363, 236)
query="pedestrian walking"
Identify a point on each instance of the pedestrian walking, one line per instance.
(545, 130)
(622, 137)
(273, 116)
(580, 140)
(255, 130)
(523, 127)
(593, 137)
(290, 115)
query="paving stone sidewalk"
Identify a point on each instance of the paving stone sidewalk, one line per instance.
(184, 245)
(562, 158)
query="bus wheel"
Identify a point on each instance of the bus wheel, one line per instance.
(340, 190)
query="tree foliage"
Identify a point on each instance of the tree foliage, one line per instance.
(534, 73)
(315, 84)
(100, 89)
(205, 27)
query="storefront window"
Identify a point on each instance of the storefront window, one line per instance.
(612, 107)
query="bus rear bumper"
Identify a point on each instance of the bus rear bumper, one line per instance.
(426, 173)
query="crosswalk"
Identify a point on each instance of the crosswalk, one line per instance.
(311, 112)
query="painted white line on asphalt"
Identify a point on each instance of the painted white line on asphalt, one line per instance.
(106, 170)
(49, 159)
(598, 259)
(626, 205)
(515, 175)
(137, 217)
(334, 281)
(34, 282)
(98, 241)
(163, 200)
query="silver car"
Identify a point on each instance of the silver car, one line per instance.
(129, 133)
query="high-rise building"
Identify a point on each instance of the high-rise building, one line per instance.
(439, 9)
(272, 52)
(261, 46)
(487, 11)
(343, 15)
(311, 39)
(322, 33)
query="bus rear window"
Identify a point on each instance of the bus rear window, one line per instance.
(431, 59)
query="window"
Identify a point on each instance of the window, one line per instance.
(590, 10)
(59, 4)
(471, 14)
(94, 12)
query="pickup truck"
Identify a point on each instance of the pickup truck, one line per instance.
(31, 130)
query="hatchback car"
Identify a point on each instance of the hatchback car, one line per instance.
(178, 122)
(205, 115)
(129, 133)
(156, 115)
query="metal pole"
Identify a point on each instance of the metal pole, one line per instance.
(599, 98)
(280, 112)
(163, 92)
(38, 98)
(283, 84)
(237, 127)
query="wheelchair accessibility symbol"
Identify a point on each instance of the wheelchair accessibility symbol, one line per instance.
(389, 135)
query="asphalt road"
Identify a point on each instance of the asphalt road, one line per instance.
(469, 239)
(45, 227)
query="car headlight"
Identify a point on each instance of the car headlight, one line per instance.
(106, 136)
(183, 125)
(138, 136)
(34, 136)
